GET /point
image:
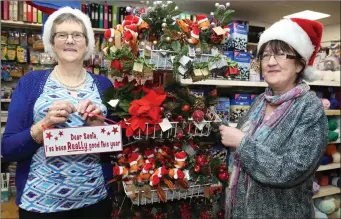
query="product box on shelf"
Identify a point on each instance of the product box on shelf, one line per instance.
(243, 59)
(239, 105)
(238, 35)
(223, 109)
(229, 54)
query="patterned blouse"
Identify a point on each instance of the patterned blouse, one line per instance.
(66, 182)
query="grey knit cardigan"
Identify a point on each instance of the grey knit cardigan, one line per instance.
(282, 167)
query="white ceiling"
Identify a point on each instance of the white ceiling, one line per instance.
(262, 11)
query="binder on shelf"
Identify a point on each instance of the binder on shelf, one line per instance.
(40, 17)
(110, 15)
(35, 15)
(105, 20)
(92, 14)
(115, 15)
(5, 10)
(121, 14)
(100, 17)
(24, 16)
(15, 11)
(20, 11)
(96, 15)
(87, 10)
(10, 10)
(29, 13)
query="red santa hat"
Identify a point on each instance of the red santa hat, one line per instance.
(195, 32)
(109, 34)
(151, 161)
(127, 151)
(134, 149)
(127, 20)
(119, 170)
(161, 171)
(180, 156)
(176, 173)
(301, 34)
(201, 18)
(146, 168)
(133, 158)
(131, 27)
(154, 180)
(149, 153)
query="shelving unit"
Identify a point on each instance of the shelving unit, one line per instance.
(327, 190)
(335, 142)
(5, 100)
(21, 24)
(330, 166)
(231, 83)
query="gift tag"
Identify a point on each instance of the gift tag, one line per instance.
(114, 102)
(191, 51)
(197, 72)
(219, 30)
(182, 70)
(148, 50)
(172, 59)
(214, 51)
(200, 125)
(138, 67)
(165, 125)
(118, 39)
(113, 49)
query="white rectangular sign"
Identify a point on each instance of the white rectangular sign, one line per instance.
(82, 140)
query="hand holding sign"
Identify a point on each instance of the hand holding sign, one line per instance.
(58, 113)
(90, 112)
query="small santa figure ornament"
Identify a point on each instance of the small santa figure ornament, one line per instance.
(194, 35)
(134, 149)
(148, 153)
(176, 173)
(301, 34)
(154, 180)
(203, 22)
(151, 161)
(133, 159)
(146, 171)
(109, 34)
(120, 171)
(180, 158)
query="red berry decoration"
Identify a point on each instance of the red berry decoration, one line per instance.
(213, 93)
(180, 118)
(223, 166)
(220, 214)
(186, 108)
(197, 168)
(200, 159)
(223, 176)
(180, 135)
(198, 115)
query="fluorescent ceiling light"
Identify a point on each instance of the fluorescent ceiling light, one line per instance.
(307, 14)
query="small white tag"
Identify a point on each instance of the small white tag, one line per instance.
(165, 125)
(114, 103)
(214, 51)
(200, 125)
(172, 59)
(191, 51)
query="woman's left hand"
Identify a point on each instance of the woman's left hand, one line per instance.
(88, 112)
(230, 137)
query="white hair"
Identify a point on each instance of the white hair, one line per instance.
(81, 16)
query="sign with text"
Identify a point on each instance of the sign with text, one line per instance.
(82, 140)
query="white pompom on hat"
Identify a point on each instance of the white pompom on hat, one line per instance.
(80, 15)
(301, 34)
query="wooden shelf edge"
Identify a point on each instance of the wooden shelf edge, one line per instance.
(335, 142)
(8, 23)
(236, 83)
(330, 166)
(333, 112)
(327, 190)
(5, 100)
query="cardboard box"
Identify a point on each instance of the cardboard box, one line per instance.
(243, 59)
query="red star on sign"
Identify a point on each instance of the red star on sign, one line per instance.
(108, 133)
(114, 130)
(61, 133)
(56, 138)
(103, 130)
(49, 135)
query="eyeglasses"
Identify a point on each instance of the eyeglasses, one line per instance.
(278, 57)
(76, 36)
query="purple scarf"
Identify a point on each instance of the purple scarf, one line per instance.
(259, 128)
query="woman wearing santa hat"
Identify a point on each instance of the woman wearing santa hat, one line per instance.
(63, 97)
(279, 144)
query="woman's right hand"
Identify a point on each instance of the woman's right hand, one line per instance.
(58, 113)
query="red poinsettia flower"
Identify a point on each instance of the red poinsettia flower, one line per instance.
(117, 64)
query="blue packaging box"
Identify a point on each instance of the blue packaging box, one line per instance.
(243, 59)
(229, 54)
(238, 35)
(239, 106)
(223, 109)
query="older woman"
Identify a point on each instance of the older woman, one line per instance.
(280, 142)
(65, 186)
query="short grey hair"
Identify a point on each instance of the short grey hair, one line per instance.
(67, 17)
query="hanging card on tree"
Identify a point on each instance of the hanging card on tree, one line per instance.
(82, 140)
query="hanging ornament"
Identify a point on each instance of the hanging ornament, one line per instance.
(216, 4)
(176, 8)
(223, 176)
(168, 39)
(164, 25)
(197, 168)
(186, 108)
(198, 115)
(155, 42)
(164, 20)
(129, 9)
(228, 4)
(213, 24)
(179, 135)
(200, 159)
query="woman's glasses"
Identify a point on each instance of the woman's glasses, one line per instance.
(278, 57)
(76, 36)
